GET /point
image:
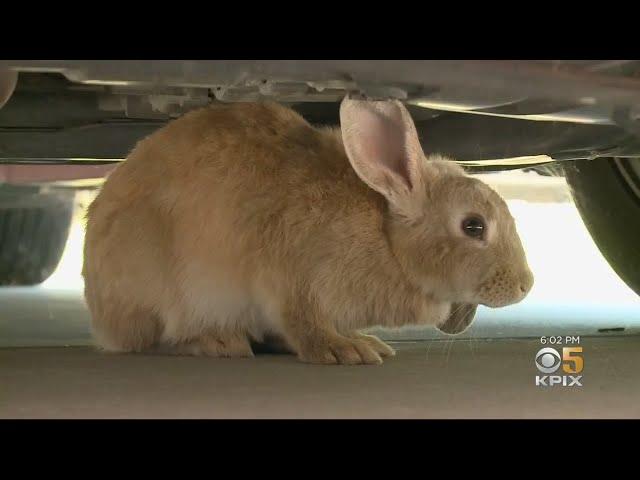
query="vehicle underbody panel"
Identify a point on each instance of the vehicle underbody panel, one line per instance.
(491, 114)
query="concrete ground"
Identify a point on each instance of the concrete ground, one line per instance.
(427, 379)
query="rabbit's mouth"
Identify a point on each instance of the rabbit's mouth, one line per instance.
(502, 296)
(504, 288)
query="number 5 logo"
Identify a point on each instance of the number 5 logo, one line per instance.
(571, 355)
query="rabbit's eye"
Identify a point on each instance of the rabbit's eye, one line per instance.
(473, 227)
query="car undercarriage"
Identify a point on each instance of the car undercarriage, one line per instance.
(64, 124)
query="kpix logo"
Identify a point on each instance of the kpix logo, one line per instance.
(548, 361)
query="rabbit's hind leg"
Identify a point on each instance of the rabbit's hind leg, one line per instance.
(210, 343)
(121, 330)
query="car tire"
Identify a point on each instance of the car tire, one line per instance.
(606, 192)
(32, 239)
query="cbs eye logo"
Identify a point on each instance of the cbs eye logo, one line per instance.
(548, 360)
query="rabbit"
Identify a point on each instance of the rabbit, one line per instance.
(240, 222)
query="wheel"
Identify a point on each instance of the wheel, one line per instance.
(33, 233)
(607, 195)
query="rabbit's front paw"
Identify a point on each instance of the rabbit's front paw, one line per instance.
(374, 342)
(339, 350)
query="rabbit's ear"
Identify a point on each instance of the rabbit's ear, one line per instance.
(382, 144)
(461, 318)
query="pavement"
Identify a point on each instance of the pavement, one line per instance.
(427, 379)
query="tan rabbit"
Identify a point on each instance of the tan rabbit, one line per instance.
(240, 222)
